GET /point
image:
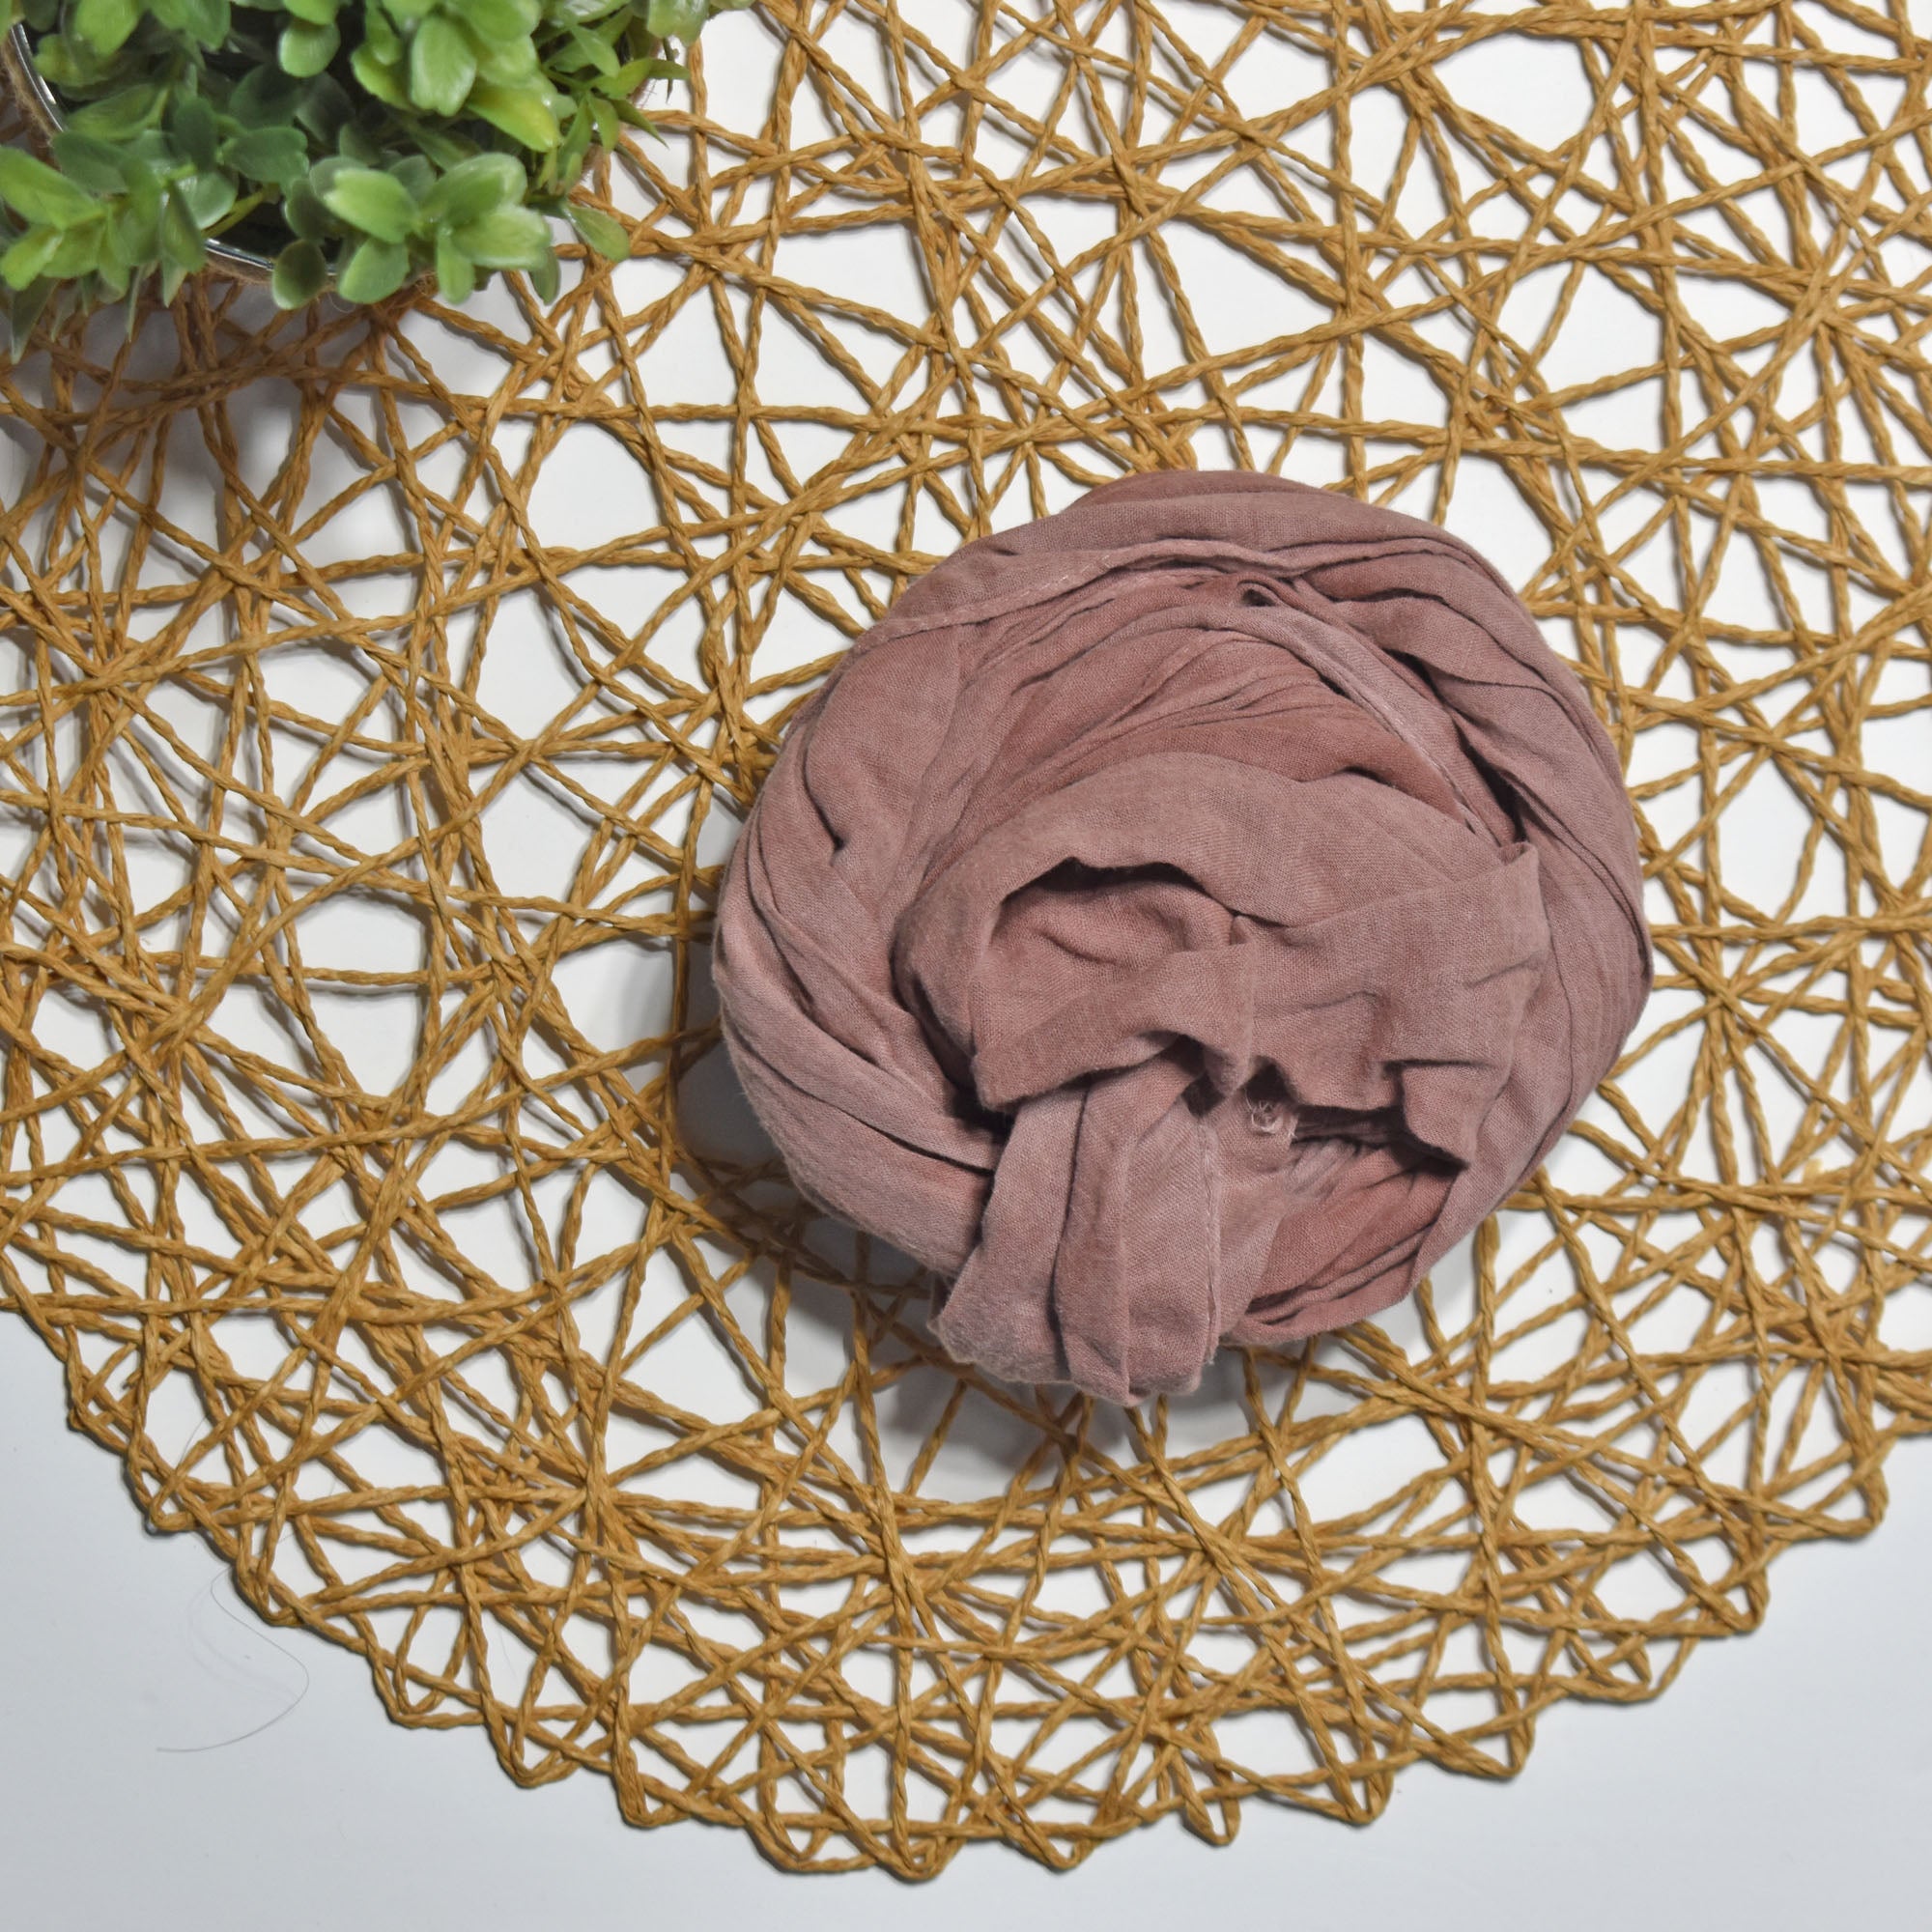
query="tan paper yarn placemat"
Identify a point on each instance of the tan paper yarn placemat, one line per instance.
(381, 692)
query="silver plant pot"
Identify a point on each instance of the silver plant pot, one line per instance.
(17, 59)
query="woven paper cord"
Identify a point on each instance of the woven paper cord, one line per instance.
(384, 690)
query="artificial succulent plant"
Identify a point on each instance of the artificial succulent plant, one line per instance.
(363, 141)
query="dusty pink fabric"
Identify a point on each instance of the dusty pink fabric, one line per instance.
(1181, 921)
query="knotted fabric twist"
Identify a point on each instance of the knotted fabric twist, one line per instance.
(1181, 921)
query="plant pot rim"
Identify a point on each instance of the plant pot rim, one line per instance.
(17, 57)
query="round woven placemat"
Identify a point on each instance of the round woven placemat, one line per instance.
(382, 692)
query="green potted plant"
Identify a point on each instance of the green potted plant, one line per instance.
(354, 143)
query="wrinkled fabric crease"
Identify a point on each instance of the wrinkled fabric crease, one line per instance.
(1180, 921)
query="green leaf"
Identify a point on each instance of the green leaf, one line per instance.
(267, 154)
(207, 197)
(137, 221)
(304, 49)
(506, 237)
(112, 253)
(508, 63)
(120, 116)
(455, 272)
(192, 125)
(441, 66)
(63, 64)
(207, 20)
(415, 174)
(376, 203)
(632, 75)
(593, 53)
(680, 20)
(473, 187)
(354, 143)
(564, 63)
(265, 97)
(442, 148)
(24, 311)
(317, 13)
(77, 252)
(37, 192)
(501, 19)
(566, 164)
(545, 278)
(183, 244)
(301, 274)
(106, 24)
(378, 77)
(381, 37)
(519, 112)
(89, 163)
(325, 105)
(204, 21)
(150, 149)
(602, 232)
(375, 269)
(303, 211)
(27, 259)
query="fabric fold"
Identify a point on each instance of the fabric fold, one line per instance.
(1180, 921)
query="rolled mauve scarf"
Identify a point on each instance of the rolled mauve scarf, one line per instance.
(1180, 921)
